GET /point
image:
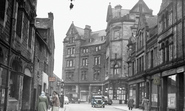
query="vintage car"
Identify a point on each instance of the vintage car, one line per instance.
(97, 101)
(107, 100)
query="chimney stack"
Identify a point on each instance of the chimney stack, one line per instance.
(87, 31)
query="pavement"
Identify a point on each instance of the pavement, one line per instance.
(124, 107)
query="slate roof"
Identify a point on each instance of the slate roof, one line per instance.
(80, 31)
(42, 23)
(96, 36)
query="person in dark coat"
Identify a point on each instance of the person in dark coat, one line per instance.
(130, 103)
(61, 100)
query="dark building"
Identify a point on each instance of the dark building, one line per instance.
(16, 54)
(43, 57)
(161, 80)
(83, 62)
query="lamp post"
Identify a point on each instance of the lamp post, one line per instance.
(62, 94)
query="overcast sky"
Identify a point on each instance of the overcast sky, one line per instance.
(84, 12)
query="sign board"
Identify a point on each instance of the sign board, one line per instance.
(51, 79)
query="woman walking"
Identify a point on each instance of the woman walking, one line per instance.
(55, 101)
(42, 102)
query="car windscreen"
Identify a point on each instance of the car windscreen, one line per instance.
(97, 97)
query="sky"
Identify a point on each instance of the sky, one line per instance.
(84, 12)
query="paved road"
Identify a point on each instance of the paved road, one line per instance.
(87, 107)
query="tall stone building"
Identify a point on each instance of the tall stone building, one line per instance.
(162, 79)
(83, 62)
(43, 56)
(17, 34)
(121, 25)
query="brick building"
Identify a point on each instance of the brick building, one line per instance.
(16, 53)
(162, 79)
(83, 62)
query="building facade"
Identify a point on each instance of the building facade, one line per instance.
(83, 62)
(17, 54)
(27, 54)
(121, 24)
(162, 79)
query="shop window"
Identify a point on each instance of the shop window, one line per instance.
(141, 92)
(132, 92)
(172, 89)
(154, 95)
(14, 86)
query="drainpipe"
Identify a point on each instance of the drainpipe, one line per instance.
(12, 22)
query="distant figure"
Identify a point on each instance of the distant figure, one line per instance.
(42, 102)
(130, 103)
(61, 100)
(55, 101)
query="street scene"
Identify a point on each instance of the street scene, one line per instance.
(92, 55)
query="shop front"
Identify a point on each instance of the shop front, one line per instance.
(173, 90)
(137, 91)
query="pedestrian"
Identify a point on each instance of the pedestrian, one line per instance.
(145, 102)
(55, 101)
(49, 100)
(130, 103)
(61, 100)
(42, 102)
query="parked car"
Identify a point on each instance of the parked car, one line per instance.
(97, 101)
(107, 100)
(66, 100)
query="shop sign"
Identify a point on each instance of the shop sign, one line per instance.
(156, 80)
(51, 79)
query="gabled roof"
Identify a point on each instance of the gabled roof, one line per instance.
(80, 31)
(145, 9)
